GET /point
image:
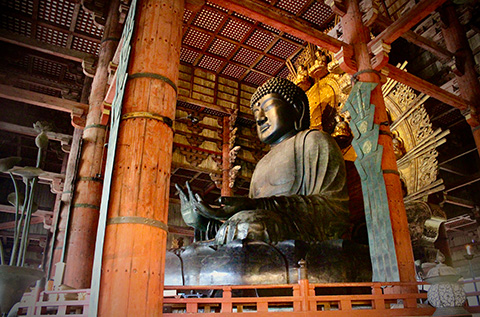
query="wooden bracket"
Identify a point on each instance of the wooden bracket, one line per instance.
(472, 118)
(78, 118)
(380, 51)
(338, 6)
(345, 59)
(457, 65)
(194, 5)
(370, 11)
(88, 67)
(56, 186)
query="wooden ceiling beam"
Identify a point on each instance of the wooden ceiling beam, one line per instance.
(205, 104)
(20, 129)
(41, 100)
(40, 46)
(39, 213)
(406, 22)
(283, 21)
(11, 224)
(427, 88)
(420, 41)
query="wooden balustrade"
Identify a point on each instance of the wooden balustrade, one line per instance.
(55, 303)
(302, 299)
(334, 299)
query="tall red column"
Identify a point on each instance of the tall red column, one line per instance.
(88, 188)
(356, 34)
(468, 84)
(135, 238)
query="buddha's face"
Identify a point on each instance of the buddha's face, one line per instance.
(275, 118)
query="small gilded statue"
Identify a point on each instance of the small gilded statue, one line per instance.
(342, 133)
(398, 147)
(298, 190)
(319, 68)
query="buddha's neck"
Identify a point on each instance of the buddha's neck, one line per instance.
(284, 137)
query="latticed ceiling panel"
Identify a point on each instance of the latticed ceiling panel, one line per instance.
(256, 78)
(318, 13)
(85, 24)
(260, 39)
(283, 49)
(59, 12)
(235, 29)
(208, 19)
(197, 39)
(15, 25)
(283, 72)
(187, 55)
(210, 63)
(43, 66)
(241, 41)
(85, 45)
(234, 71)
(24, 6)
(246, 56)
(51, 36)
(292, 6)
(268, 65)
(221, 48)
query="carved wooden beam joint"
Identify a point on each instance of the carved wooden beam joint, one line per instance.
(79, 119)
(338, 6)
(472, 117)
(89, 67)
(380, 51)
(370, 11)
(346, 60)
(56, 186)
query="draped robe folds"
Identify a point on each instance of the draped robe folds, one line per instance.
(300, 188)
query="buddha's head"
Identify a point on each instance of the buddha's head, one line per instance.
(280, 109)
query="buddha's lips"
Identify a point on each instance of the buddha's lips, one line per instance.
(264, 127)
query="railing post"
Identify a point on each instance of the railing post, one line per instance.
(37, 292)
(227, 300)
(378, 303)
(303, 284)
(297, 304)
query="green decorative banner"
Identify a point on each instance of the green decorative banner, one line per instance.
(115, 116)
(369, 166)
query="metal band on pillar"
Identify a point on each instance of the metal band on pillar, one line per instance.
(139, 221)
(155, 76)
(148, 115)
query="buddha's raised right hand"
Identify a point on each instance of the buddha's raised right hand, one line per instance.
(189, 209)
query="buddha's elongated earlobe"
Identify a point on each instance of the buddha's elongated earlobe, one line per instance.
(298, 124)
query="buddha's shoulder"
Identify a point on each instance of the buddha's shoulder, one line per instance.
(314, 136)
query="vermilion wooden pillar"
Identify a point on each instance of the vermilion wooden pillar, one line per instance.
(468, 84)
(135, 238)
(88, 188)
(356, 34)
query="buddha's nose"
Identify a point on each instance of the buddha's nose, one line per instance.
(261, 118)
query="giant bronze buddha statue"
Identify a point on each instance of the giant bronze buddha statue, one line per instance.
(297, 208)
(298, 188)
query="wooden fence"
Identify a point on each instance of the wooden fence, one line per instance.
(302, 299)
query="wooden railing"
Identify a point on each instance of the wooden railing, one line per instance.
(302, 299)
(55, 303)
(336, 299)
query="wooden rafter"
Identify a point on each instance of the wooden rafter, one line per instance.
(283, 21)
(40, 46)
(406, 22)
(426, 87)
(42, 100)
(418, 40)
